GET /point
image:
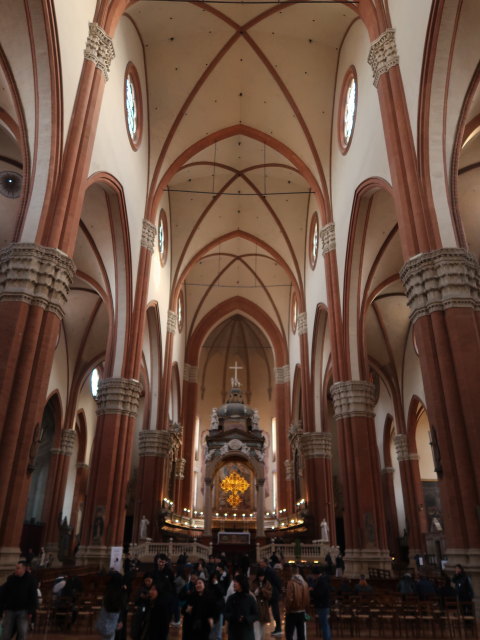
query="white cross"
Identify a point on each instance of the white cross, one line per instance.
(235, 382)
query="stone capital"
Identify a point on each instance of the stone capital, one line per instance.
(180, 468)
(317, 444)
(154, 443)
(69, 438)
(327, 236)
(99, 48)
(171, 322)
(439, 280)
(282, 374)
(36, 275)
(386, 471)
(353, 398)
(149, 235)
(190, 373)
(401, 447)
(82, 465)
(302, 323)
(383, 54)
(118, 395)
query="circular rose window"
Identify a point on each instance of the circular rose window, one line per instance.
(133, 106)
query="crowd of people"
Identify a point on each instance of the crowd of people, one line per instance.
(202, 596)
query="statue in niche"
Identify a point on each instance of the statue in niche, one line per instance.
(324, 531)
(214, 423)
(143, 528)
(98, 525)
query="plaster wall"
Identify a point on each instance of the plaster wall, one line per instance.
(72, 18)
(366, 156)
(412, 383)
(410, 39)
(112, 152)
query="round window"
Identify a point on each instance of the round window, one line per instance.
(133, 106)
(348, 109)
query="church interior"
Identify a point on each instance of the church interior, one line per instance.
(239, 278)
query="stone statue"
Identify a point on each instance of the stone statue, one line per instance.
(143, 529)
(324, 531)
(214, 420)
(256, 420)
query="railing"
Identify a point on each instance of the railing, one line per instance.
(298, 552)
(146, 551)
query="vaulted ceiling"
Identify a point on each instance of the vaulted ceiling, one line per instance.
(240, 114)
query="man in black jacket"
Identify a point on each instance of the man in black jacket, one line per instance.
(320, 595)
(18, 601)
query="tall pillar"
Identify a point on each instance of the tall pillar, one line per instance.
(56, 485)
(443, 293)
(207, 531)
(34, 286)
(259, 487)
(442, 286)
(391, 520)
(117, 400)
(189, 413)
(154, 447)
(316, 448)
(282, 401)
(412, 496)
(365, 531)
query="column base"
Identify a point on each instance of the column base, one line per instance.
(96, 555)
(358, 561)
(9, 556)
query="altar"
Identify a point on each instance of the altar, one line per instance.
(233, 537)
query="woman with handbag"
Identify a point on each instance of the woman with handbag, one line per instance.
(262, 590)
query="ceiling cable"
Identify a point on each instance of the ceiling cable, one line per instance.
(229, 193)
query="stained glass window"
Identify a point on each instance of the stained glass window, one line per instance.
(131, 107)
(349, 112)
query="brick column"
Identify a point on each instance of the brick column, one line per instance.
(154, 447)
(412, 496)
(282, 404)
(443, 291)
(316, 451)
(391, 519)
(365, 532)
(104, 519)
(189, 413)
(34, 286)
(56, 485)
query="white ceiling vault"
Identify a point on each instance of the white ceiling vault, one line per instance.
(241, 116)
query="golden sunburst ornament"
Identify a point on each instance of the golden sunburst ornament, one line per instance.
(234, 484)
